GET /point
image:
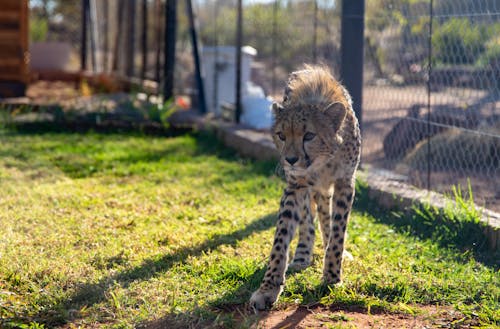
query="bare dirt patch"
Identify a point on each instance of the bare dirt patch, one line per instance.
(335, 317)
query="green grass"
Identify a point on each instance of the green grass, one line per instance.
(116, 230)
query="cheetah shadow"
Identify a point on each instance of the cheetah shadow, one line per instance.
(88, 294)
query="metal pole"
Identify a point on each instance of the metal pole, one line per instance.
(83, 49)
(274, 42)
(429, 91)
(169, 52)
(130, 56)
(239, 43)
(94, 36)
(158, 36)
(105, 27)
(196, 56)
(215, 96)
(351, 43)
(118, 36)
(315, 33)
(144, 39)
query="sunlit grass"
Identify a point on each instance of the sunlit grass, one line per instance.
(115, 230)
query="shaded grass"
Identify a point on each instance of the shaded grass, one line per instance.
(118, 230)
(457, 226)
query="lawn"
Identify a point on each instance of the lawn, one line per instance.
(117, 230)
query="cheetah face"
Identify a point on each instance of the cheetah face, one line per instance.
(306, 136)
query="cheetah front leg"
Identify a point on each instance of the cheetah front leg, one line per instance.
(304, 251)
(341, 208)
(324, 210)
(274, 278)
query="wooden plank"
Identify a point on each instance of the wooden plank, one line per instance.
(9, 77)
(10, 73)
(11, 5)
(10, 16)
(13, 45)
(10, 51)
(24, 31)
(10, 36)
(9, 62)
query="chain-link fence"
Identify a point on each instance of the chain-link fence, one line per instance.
(124, 37)
(285, 34)
(431, 95)
(55, 34)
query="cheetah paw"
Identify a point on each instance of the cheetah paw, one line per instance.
(332, 281)
(297, 266)
(263, 300)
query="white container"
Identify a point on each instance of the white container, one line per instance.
(257, 112)
(50, 55)
(219, 74)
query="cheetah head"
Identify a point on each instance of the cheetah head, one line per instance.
(306, 135)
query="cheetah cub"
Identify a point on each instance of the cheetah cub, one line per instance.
(317, 133)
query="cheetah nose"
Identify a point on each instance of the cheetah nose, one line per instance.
(291, 160)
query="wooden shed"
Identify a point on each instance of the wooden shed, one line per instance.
(13, 47)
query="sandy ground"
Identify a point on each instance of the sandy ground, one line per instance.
(323, 317)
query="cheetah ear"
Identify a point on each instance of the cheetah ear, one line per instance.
(336, 113)
(277, 108)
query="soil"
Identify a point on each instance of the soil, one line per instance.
(50, 92)
(320, 316)
(335, 317)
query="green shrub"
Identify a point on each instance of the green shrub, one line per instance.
(38, 29)
(457, 41)
(491, 56)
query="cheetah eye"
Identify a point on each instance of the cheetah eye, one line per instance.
(281, 135)
(309, 136)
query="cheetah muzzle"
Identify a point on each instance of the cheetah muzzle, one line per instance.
(317, 133)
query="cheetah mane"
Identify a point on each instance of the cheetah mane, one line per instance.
(315, 85)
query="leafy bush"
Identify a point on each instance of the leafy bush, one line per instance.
(491, 56)
(38, 29)
(457, 41)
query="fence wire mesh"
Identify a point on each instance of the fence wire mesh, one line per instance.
(285, 34)
(55, 22)
(431, 94)
(431, 91)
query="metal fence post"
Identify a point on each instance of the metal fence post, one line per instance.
(351, 44)
(275, 46)
(169, 52)
(118, 36)
(315, 33)
(239, 44)
(158, 38)
(130, 46)
(144, 39)
(83, 48)
(105, 27)
(429, 93)
(196, 56)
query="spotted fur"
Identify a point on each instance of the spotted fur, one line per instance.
(317, 133)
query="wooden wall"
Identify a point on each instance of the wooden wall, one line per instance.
(13, 47)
